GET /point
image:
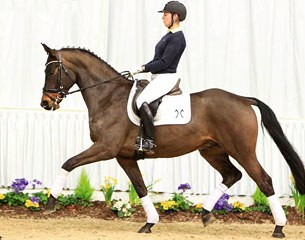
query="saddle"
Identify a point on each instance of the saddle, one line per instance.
(141, 84)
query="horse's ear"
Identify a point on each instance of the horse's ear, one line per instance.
(47, 49)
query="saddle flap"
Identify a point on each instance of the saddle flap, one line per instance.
(174, 109)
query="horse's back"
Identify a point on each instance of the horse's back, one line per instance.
(217, 94)
(221, 109)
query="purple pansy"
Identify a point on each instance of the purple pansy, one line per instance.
(19, 185)
(222, 203)
(35, 182)
(184, 187)
(35, 199)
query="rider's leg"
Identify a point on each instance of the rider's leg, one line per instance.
(148, 124)
(158, 86)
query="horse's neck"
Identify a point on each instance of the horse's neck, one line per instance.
(108, 87)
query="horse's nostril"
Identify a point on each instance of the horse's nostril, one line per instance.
(44, 104)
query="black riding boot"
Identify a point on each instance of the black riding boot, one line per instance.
(147, 119)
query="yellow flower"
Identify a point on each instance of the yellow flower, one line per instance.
(292, 180)
(198, 206)
(166, 205)
(239, 205)
(2, 196)
(110, 180)
(48, 193)
(29, 203)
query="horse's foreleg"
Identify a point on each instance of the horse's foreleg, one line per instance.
(93, 154)
(131, 168)
(230, 174)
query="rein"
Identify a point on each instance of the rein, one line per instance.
(125, 74)
(59, 90)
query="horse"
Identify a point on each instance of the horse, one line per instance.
(222, 124)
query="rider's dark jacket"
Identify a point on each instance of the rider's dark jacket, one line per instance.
(168, 52)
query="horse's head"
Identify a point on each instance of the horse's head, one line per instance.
(58, 80)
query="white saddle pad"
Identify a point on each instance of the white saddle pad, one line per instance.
(173, 109)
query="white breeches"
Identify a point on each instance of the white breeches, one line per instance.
(159, 85)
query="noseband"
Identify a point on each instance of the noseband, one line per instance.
(59, 86)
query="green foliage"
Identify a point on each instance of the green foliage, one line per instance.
(108, 188)
(182, 201)
(67, 200)
(260, 198)
(299, 200)
(16, 199)
(42, 197)
(260, 201)
(133, 196)
(261, 208)
(84, 191)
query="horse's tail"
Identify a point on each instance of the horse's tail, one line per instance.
(270, 122)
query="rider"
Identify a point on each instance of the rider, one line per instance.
(163, 67)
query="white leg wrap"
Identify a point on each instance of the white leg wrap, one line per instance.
(59, 183)
(211, 200)
(150, 210)
(277, 210)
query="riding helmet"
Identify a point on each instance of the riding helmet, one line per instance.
(175, 7)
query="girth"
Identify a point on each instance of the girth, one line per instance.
(141, 84)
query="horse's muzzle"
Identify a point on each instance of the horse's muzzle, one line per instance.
(49, 104)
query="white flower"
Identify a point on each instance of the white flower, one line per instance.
(118, 205)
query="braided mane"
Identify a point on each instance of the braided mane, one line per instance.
(90, 53)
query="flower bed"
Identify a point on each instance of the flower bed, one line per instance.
(16, 203)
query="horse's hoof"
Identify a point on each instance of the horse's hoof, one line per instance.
(48, 212)
(51, 203)
(146, 228)
(206, 217)
(278, 232)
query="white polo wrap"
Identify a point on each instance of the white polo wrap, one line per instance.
(277, 210)
(59, 183)
(211, 200)
(150, 210)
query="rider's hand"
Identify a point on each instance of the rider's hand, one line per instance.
(136, 69)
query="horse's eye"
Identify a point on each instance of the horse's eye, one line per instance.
(49, 71)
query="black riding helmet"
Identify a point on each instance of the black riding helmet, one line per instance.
(175, 7)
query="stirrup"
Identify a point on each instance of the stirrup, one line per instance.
(145, 145)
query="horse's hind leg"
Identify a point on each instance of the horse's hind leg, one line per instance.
(264, 182)
(131, 168)
(218, 159)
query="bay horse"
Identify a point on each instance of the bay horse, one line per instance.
(222, 125)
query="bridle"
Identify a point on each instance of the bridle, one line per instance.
(59, 84)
